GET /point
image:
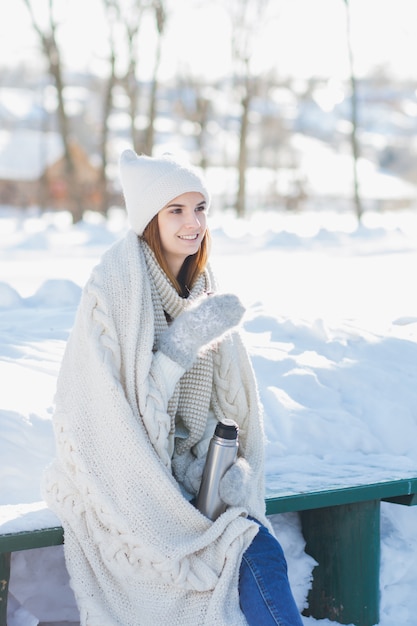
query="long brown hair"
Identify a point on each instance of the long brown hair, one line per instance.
(193, 265)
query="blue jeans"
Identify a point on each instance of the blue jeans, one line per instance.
(264, 591)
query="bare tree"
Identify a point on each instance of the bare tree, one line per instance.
(112, 14)
(203, 114)
(125, 16)
(157, 6)
(245, 18)
(51, 51)
(130, 16)
(354, 117)
(197, 108)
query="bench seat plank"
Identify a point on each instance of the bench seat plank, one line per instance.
(30, 539)
(402, 491)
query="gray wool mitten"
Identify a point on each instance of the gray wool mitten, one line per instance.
(234, 486)
(188, 470)
(199, 325)
(193, 475)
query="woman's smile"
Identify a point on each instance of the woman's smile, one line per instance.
(189, 237)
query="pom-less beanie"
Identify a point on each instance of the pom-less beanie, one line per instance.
(149, 183)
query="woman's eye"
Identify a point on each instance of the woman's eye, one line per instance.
(200, 208)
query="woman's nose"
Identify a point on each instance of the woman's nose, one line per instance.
(192, 220)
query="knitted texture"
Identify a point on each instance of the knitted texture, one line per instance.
(190, 400)
(235, 484)
(199, 325)
(150, 183)
(138, 553)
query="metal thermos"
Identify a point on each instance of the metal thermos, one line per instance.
(221, 455)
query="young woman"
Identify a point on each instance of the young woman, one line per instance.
(153, 362)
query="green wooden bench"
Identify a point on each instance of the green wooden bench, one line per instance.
(341, 527)
(340, 523)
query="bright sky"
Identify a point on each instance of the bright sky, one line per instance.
(302, 37)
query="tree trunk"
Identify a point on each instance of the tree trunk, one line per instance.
(160, 16)
(246, 18)
(51, 51)
(354, 120)
(74, 195)
(107, 108)
(243, 158)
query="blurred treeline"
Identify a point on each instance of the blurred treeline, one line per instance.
(246, 122)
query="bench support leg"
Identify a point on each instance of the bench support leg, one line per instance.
(345, 541)
(4, 585)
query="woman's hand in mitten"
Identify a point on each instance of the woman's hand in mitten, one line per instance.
(234, 486)
(188, 470)
(199, 325)
(193, 475)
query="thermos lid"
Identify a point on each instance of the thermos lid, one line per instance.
(228, 429)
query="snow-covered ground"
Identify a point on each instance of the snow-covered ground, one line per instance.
(331, 326)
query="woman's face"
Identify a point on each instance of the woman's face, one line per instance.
(182, 225)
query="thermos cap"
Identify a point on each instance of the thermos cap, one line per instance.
(228, 429)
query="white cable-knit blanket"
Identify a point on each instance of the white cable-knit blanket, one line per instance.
(137, 551)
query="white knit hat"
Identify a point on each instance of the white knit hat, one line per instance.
(150, 183)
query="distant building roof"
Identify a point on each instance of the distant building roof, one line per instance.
(25, 154)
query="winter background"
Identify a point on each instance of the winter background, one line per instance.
(331, 326)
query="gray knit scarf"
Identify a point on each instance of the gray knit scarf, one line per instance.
(190, 402)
